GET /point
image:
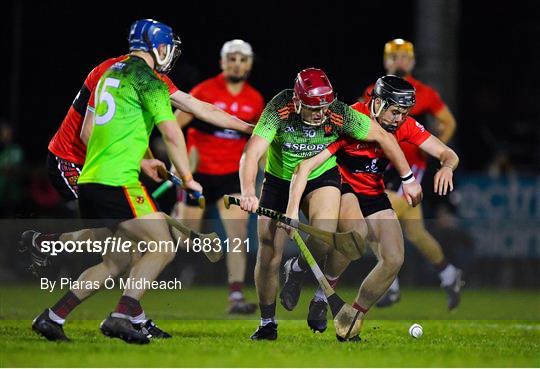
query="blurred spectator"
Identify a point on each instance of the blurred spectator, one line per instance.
(11, 157)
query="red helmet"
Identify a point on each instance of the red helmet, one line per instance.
(313, 89)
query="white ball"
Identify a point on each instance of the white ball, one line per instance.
(416, 331)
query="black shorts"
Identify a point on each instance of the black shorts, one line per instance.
(214, 187)
(369, 204)
(106, 206)
(64, 176)
(275, 191)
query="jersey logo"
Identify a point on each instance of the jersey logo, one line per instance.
(140, 200)
(289, 129)
(421, 127)
(328, 130)
(286, 111)
(336, 119)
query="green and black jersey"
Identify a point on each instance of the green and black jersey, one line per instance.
(292, 141)
(130, 100)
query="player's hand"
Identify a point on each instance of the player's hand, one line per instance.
(193, 185)
(413, 193)
(249, 203)
(150, 168)
(442, 182)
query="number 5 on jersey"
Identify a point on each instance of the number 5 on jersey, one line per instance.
(104, 116)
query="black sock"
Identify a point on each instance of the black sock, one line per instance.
(268, 311)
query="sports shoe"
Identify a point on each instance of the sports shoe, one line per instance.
(265, 332)
(389, 298)
(118, 325)
(293, 285)
(38, 258)
(150, 329)
(351, 339)
(453, 291)
(241, 307)
(48, 328)
(317, 316)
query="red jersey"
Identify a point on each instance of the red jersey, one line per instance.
(362, 164)
(220, 149)
(67, 143)
(428, 101)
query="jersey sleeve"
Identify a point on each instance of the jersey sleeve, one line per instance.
(367, 93)
(416, 133)
(170, 84)
(338, 145)
(156, 100)
(356, 124)
(268, 123)
(435, 102)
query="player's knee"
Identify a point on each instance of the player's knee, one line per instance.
(392, 262)
(416, 234)
(116, 267)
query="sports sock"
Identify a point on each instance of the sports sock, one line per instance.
(46, 237)
(441, 266)
(299, 265)
(139, 319)
(235, 291)
(64, 306)
(319, 294)
(447, 275)
(394, 287)
(129, 306)
(268, 313)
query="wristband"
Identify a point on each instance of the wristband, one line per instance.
(408, 178)
(187, 178)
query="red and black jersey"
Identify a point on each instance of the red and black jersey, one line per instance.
(220, 149)
(66, 143)
(362, 164)
(429, 102)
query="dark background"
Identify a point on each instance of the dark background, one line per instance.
(50, 46)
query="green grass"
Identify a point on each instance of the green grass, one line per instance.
(491, 329)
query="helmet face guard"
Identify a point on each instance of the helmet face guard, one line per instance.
(392, 90)
(313, 94)
(147, 35)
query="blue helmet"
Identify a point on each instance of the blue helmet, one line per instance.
(147, 35)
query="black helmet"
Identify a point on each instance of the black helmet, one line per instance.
(393, 90)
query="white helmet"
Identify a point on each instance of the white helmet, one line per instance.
(236, 46)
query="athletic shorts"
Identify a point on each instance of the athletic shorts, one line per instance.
(369, 204)
(214, 187)
(64, 176)
(112, 205)
(275, 191)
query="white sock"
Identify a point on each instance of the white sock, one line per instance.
(265, 321)
(236, 296)
(296, 266)
(448, 275)
(319, 295)
(394, 287)
(139, 319)
(55, 318)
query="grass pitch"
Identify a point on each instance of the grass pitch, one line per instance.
(491, 329)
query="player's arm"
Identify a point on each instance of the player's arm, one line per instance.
(183, 118)
(446, 124)
(299, 180)
(443, 180)
(87, 126)
(208, 112)
(366, 129)
(253, 151)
